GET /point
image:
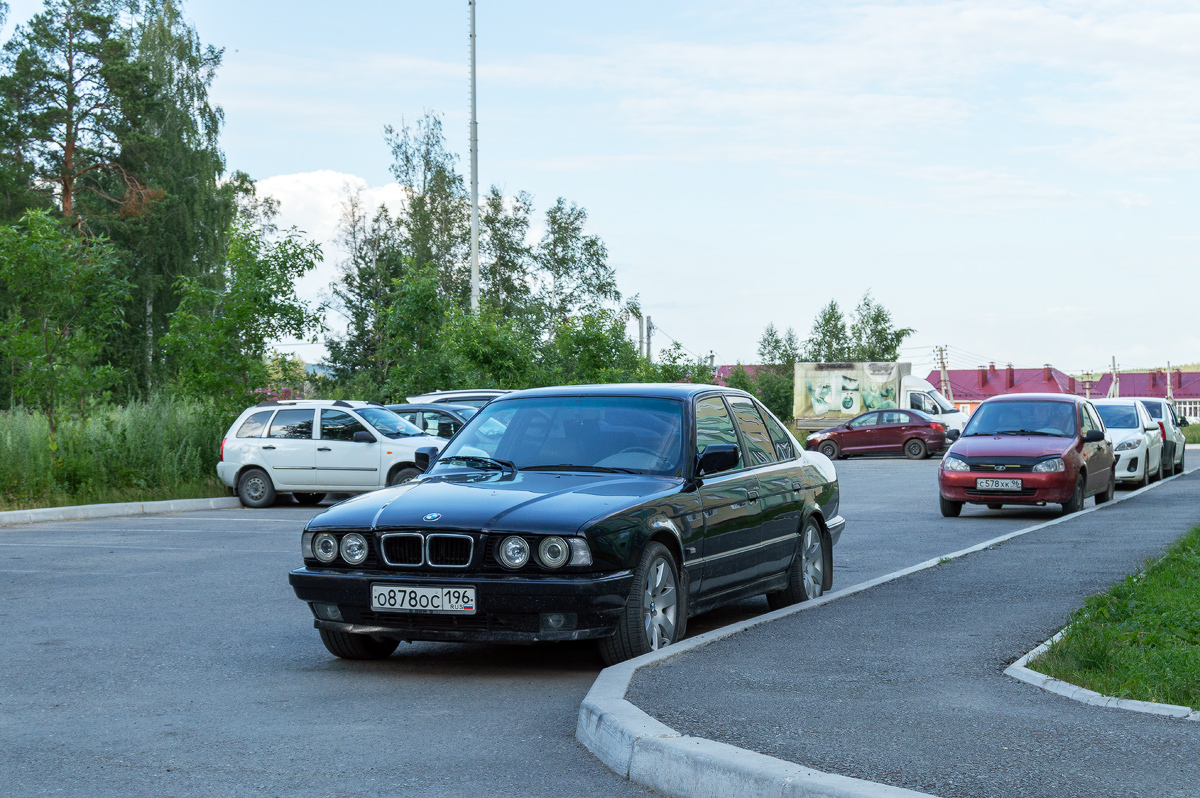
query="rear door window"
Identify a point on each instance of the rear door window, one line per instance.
(894, 417)
(253, 427)
(754, 431)
(292, 424)
(779, 437)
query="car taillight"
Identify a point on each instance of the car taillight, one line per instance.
(937, 426)
(222, 457)
(1163, 429)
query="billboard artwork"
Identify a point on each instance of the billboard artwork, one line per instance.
(843, 390)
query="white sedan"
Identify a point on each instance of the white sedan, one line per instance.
(1137, 440)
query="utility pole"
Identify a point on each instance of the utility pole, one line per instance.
(641, 334)
(947, 390)
(649, 333)
(1170, 390)
(1114, 389)
(474, 177)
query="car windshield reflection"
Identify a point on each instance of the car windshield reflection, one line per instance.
(607, 434)
(1055, 419)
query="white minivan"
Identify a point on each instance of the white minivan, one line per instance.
(310, 448)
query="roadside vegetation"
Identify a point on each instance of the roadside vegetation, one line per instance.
(1192, 433)
(1140, 639)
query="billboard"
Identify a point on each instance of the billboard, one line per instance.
(843, 390)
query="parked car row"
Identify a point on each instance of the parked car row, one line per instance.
(911, 432)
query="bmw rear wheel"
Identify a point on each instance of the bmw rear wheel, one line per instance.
(806, 577)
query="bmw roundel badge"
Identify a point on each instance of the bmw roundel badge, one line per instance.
(431, 516)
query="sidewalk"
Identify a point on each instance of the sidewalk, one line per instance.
(903, 684)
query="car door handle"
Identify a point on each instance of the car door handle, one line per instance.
(324, 449)
(268, 447)
(797, 486)
(752, 495)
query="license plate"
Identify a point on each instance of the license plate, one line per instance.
(409, 598)
(997, 484)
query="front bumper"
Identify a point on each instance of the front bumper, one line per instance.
(1131, 464)
(510, 607)
(1050, 488)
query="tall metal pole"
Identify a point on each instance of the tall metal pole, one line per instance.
(474, 177)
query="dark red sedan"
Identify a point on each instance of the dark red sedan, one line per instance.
(1029, 449)
(882, 432)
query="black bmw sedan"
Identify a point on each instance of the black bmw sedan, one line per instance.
(607, 512)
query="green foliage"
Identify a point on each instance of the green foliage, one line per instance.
(740, 379)
(872, 337)
(220, 336)
(828, 342)
(162, 449)
(64, 294)
(1192, 433)
(1140, 638)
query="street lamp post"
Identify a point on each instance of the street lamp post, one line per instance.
(474, 177)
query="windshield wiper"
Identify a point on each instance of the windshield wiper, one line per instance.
(570, 467)
(1027, 432)
(478, 460)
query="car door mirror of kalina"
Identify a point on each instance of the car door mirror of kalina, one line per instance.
(952, 435)
(1093, 436)
(717, 457)
(362, 436)
(425, 456)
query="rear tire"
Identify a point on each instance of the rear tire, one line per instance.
(308, 499)
(1075, 503)
(950, 509)
(1169, 464)
(995, 506)
(806, 577)
(255, 489)
(402, 475)
(655, 613)
(915, 449)
(830, 450)
(348, 645)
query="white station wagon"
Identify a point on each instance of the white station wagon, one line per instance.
(310, 448)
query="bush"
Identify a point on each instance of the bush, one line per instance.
(162, 449)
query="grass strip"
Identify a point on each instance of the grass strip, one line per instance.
(194, 489)
(1192, 433)
(1141, 638)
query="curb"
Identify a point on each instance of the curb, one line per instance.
(1074, 692)
(641, 749)
(81, 512)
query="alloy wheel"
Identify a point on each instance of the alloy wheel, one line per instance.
(660, 604)
(814, 562)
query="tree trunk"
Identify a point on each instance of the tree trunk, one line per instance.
(149, 340)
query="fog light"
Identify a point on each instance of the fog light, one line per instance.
(580, 553)
(553, 552)
(514, 552)
(1132, 465)
(558, 621)
(325, 547)
(327, 612)
(354, 548)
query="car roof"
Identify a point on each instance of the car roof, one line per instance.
(1054, 397)
(662, 390)
(306, 403)
(443, 397)
(1116, 400)
(432, 406)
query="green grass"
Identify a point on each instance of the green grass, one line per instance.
(1141, 638)
(162, 449)
(1192, 433)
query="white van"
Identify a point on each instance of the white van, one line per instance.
(919, 394)
(310, 448)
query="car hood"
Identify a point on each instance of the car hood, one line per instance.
(529, 501)
(1011, 446)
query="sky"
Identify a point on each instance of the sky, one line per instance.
(1015, 180)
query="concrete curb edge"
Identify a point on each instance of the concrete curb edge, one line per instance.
(648, 752)
(80, 512)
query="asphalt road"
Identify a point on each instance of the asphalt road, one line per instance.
(903, 684)
(167, 655)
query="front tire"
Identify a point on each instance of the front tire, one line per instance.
(402, 475)
(1158, 472)
(308, 499)
(916, 449)
(830, 450)
(950, 509)
(255, 489)
(655, 613)
(1075, 503)
(806, 577)
(349, 645)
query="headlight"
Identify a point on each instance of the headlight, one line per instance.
(553, 552)
(1054, 464)
(1125, 446)
(354, 548)
(514, 552)
(325, 547)
(953, 462)
(813, 437)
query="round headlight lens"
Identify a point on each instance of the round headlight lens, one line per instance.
(325, 547)
(354, 548)
(514, 552)
(553, 552)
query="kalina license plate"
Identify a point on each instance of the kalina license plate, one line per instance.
(409, 598)
(997, 484)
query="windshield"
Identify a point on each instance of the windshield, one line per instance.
(1119, 416)
(1155, 409)
(387, 422)
(942, 401)
(1031, 417)
(584, 433)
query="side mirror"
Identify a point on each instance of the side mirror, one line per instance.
(425, 456)
(1093, 436)
(952, 434)
(362, 436)
(717, 457)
